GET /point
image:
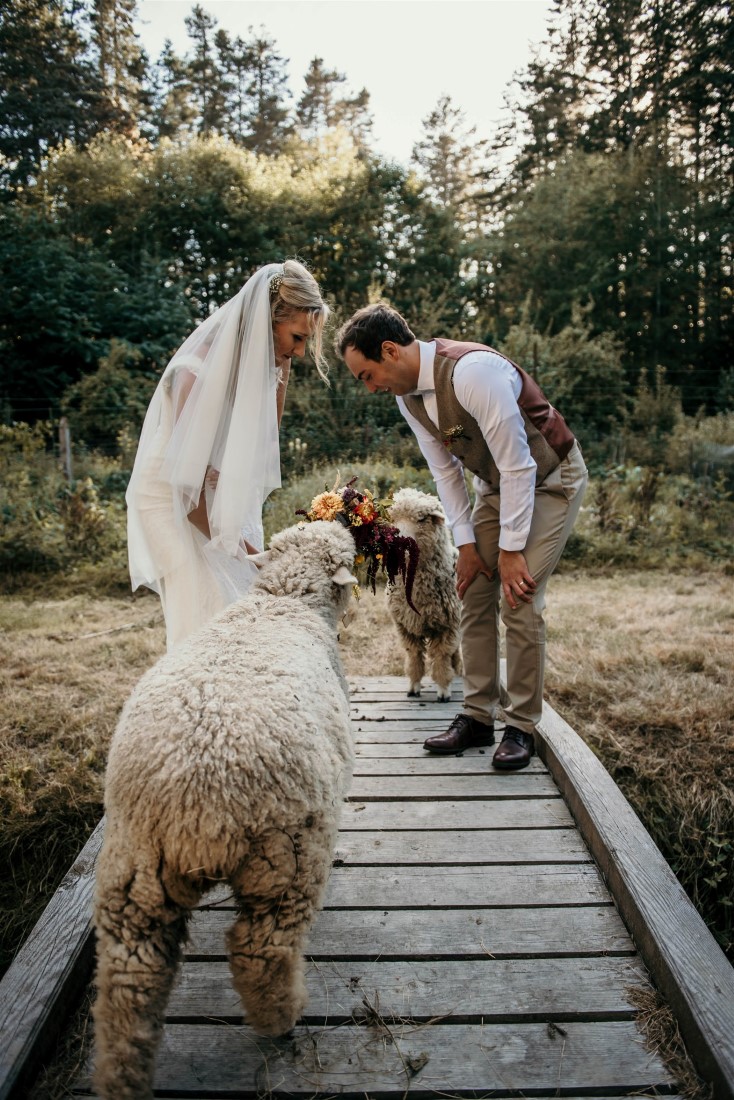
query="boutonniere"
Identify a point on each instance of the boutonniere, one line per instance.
(450, 435)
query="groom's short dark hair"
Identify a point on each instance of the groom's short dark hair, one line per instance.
(369, 327)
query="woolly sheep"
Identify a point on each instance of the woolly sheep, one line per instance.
(434, 632)
(229, 764)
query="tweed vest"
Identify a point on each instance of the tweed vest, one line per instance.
(549, 437)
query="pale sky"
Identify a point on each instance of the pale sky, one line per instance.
(407, 53)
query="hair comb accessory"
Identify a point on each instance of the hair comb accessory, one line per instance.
(275, 282)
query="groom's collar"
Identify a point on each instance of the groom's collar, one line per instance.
(425, 373)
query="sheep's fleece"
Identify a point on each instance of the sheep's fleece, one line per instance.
(229, 764)
(433, 634)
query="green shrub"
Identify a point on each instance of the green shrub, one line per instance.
(48, 525)
(103, 404)
(702, 447)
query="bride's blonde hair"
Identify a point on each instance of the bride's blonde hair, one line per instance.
(296, 291)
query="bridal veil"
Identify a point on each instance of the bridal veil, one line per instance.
(211, 425)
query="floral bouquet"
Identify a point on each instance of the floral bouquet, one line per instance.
(379, 545)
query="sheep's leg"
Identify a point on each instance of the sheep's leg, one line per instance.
(441, 654)
(415, 663)
(279, 891)
(139, 938)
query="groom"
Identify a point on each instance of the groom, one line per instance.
(471, 407)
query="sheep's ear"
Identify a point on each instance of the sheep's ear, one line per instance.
(437, 519)
(343, 576)
(260, 559)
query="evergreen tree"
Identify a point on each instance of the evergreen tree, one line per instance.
(173, 113)
(547, 105)
(651, 79)
(450, 158)
(320, 107)
(208, 84)
(615, 54)
(121, 62)
(49, 90)
(266, 119)
(234, 62)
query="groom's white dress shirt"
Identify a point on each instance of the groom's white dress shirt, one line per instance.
(488, 387)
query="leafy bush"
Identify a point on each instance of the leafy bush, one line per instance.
(48, 525)
(579, 371)
(110, 400)
(637, 517)
(702, 447)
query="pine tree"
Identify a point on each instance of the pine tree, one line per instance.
(121, 63)
(174, 112)
(451, 159)
(49, 91)
(320, 107)
(267, 117)
(209, 85)
(235, 63)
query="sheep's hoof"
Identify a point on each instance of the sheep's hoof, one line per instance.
(414, 694)
(274, 1029)
(443, 698)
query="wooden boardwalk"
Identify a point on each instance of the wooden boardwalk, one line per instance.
(468, 946)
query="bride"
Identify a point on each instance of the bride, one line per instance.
(208, 454)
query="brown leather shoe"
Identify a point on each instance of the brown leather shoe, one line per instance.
(463, 733)
(514, 750)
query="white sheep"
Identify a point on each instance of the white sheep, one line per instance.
(433, 632)
(229, 764)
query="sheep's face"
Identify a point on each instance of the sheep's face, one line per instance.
(417, 514)
(312, 561)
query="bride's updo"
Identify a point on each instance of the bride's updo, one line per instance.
(296, 291)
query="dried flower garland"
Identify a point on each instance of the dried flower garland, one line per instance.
(380, 546)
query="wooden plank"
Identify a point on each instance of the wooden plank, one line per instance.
(685, 961)
(414, 733)
(396, 685)
(493, 990)
(406, 760)
(459, 887)
(45, 980)
(407, 712)
(490, 785)
(518, 813)
(474, 846)
(359, 1061)
(441, 933)
(400, 695)
(457, 1092)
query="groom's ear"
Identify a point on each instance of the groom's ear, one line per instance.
(390, 350)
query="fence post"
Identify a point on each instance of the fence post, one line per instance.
(65, 448)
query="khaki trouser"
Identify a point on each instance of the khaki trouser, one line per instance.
(557, 504)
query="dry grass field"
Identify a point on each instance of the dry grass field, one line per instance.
(640, 664)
